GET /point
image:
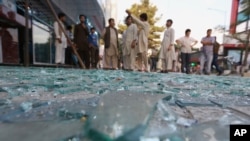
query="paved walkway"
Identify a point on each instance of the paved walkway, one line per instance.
(57, 98)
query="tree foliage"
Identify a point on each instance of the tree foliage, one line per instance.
(146, 7)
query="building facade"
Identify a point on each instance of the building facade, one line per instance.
(239, 24)
(238, 19)
(110, 10)
(41, 19)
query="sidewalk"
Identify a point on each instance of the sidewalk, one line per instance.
(56, 98)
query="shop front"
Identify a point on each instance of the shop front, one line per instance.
(10, 21)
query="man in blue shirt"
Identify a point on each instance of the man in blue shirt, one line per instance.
(207, 52)
(94, 45)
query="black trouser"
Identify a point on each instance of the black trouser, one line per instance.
(68, 54)
(154, 64)
(215, 63)
(85, 56)
(94, 51)
(185, 62)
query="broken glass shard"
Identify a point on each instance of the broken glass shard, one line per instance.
(57, 94)
(121, 113)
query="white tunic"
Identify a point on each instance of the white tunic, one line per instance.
(131, 35)
(112, 50)
(59, 34)
(60, 47)
(168, 39)
(143, 33)
(124, 49)
(186, 43)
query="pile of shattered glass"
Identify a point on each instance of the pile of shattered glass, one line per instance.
(96, 105)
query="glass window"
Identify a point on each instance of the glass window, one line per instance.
(235, 54)
(241, 7)
(242, 17)
(241, 27)
(42, 43)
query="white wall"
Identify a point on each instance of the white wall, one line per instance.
(111, 10)
(242, 27)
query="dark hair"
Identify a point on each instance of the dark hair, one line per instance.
(69, 27)
(144, 16)
(128, 17)
(92, 28)
(60, 15)
(111, 19)
(209, 30)
(82, 16)
(187, 30)
(170, 20)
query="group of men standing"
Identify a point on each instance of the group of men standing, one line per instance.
(168, 55)
(86, 42)
(135, 43)
(135, 46)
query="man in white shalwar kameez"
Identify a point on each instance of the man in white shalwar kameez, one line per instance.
(167, 52)
(61, 40)
(130, 43)
(143, 34)
(124, 52)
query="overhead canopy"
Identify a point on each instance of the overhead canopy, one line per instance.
(90, 8)
(9, 18)
(72, 8)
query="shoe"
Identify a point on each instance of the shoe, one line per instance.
(163, 71)
(220, 73)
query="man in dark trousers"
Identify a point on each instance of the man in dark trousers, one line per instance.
(187, 43)
(81, 34)
(215, 57)
(94, 47)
